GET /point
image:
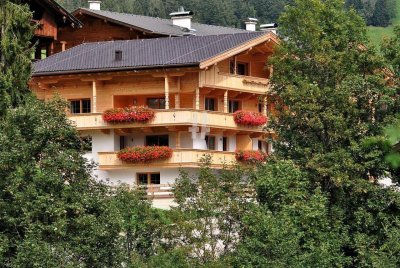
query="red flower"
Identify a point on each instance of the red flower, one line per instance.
(144, 154)
(251, 157)
(246, 118)
(129, 114)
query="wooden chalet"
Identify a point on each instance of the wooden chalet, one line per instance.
(50, 18)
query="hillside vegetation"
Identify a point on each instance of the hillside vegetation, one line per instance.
(235, 12)
(377, 34)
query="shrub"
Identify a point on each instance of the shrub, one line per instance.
(246, 118)
(129, 114)
(144, 154)
(251, 157)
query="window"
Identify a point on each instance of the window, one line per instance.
(122, 144)
(233, 106)
(242, 68)
(260, 145)
(157, 140)
(142, 179)
(148, 178)
(80, 106)
(209, 104)
(155, 178)
(156, 103)
(210, 141)
(225, 144)
(260, 107)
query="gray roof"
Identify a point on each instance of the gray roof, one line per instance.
(141, 54)
(157, 25)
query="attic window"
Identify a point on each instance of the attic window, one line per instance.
(118, 55)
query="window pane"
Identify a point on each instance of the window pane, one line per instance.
(233, 106)
(151, 140)
(142, 179)
(210, 141)
(163, 140)
(161, 103)
(260, 107)
(156, 103)
(75, 107)
(242, 69)
(152, 103)
(260, 147)
(210, 104)
(225, 144)
(121, 142)
(86, 106)
(155, 178)
(157, 140)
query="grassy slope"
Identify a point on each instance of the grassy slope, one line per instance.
(377, 34)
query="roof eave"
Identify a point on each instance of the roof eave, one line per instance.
(270, 36)
(87, 12)
(118, 69)
(58, 8)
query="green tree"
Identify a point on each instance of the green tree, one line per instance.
(53, 212)
(16, 33)
(381, 16)
(336, 105)
(289, 226)
(207, 219)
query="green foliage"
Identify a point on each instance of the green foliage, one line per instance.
(326, 208)
(15, 53)
(53, 213)
(208, 215)
(290, 226)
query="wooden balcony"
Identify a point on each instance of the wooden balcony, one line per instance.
(180, 117)
(212, 78)
(180, 158)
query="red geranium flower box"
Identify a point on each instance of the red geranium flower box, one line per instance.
(252, 119)
(130, 114)
(251, 157)
(144, 154)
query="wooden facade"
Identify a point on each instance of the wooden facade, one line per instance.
(95, 30)
(49, 19)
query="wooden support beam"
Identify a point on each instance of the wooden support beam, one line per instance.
(265, 105)
(166, 90)
(178, 95)
(178, 140)
(94, 96)
(226, 103)
(197, 99)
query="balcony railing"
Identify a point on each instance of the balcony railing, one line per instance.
(179, 117)
(215, 79)
(180, 158)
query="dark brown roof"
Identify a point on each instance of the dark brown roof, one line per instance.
(142, 54)
(157, 25)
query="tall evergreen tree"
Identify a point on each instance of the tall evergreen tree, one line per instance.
(16, 33)
(381, 16)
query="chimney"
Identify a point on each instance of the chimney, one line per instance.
(269, 27)
(182, 18)
(118, 55)
(251, 24)
(94, 5)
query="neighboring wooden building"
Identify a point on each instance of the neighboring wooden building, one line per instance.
(193, 83)
(100, 25)
(50, 19)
